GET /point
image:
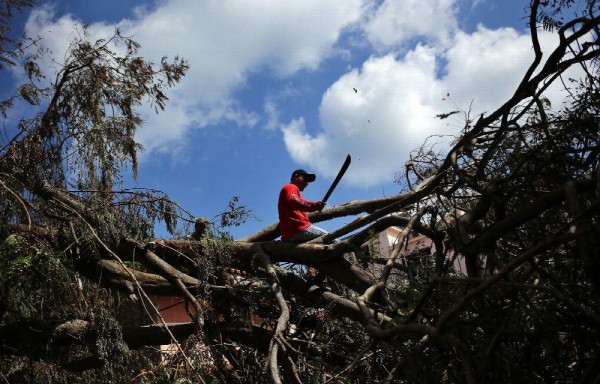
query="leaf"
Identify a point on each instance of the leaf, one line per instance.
(443, 116)
(29, 93)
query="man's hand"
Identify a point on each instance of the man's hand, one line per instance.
(320, 206)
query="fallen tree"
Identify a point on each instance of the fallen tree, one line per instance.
(515, 196)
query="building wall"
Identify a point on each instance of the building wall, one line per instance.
(387, 239)
(175, 310)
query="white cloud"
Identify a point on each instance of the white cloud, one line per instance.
(224, 42)
(301, 145)
(168, 131)
(486, 67)
(395, 23)
(229, 38)
(392, 112)
(272, 115)
(389, 114)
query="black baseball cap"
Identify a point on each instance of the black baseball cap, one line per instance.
(310, 177)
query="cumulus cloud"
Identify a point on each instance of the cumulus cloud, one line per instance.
(224, 42)
(395, 23)
(486, 66)
(301, 145)
(393, 109)
(272, 115)
(389, 114)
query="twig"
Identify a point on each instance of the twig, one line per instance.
(21, 201)
(283, 346)
(358, 358)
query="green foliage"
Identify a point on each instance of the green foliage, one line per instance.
(109, 346)
(220, 256)
(31, 278)
(235, 214)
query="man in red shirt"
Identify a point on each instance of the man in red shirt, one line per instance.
(293, 221)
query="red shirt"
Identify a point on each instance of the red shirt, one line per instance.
(292, 208)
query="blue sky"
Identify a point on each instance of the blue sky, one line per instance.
(271, 87)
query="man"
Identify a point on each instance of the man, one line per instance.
(294, 224)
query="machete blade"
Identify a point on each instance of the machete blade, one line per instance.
(338, 177)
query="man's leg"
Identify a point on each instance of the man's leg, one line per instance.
(312, 232)
(312, 275)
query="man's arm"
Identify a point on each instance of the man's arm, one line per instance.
(296, 202)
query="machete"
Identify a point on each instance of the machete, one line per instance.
(338, 178)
